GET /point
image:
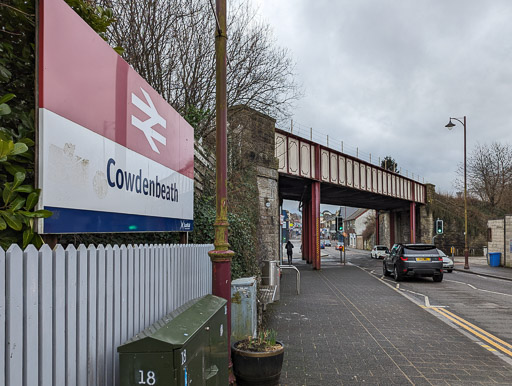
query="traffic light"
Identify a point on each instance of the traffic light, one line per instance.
(339, 224)
(439, 227)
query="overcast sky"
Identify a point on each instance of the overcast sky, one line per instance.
(385, 75)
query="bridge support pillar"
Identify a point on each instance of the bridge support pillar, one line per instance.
(311, 232)
(412, 222)
(307, 232)
(377, 227)
(315, 231)
(391, 228)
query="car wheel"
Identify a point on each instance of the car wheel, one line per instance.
(385, 272)
(438, 278)
(396, 275)
(450, 270)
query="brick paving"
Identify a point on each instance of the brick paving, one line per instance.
(347, 327)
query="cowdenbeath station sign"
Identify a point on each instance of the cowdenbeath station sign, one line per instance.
(113, 155)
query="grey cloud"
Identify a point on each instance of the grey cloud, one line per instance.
(385, 75)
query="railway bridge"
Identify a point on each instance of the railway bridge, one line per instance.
(315, 174)
(292, 167)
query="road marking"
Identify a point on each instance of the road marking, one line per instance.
(427, 301)
(470, 329)
(479, 289)
(477, 331)
(494, 292)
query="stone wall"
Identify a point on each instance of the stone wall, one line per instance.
(424, 230)
(384, 230)
(426, 223)
(268, 227)
(248, 127)
(359, 242)
(500, 239)
(402, 230)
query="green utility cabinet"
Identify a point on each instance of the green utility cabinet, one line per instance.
(187, 347)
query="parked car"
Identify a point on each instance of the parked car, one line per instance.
(328, 243)
(413, 260)
(379, 252)
(322, 244)
(447, 262)
(339, 245)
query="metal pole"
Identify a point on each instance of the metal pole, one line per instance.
(221, 256)
(466, 250)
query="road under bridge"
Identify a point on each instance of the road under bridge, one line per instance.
(315, 174)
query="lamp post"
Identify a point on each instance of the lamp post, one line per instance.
(450, 125)
(221, 256)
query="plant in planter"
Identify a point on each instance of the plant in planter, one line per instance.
(258, 361)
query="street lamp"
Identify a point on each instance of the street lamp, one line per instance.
(450, 125)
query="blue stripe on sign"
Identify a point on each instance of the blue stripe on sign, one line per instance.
(88, 221)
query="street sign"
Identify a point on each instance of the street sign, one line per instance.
(113, 155)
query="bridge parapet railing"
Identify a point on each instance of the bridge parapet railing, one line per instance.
(304, 158)
(335, 144)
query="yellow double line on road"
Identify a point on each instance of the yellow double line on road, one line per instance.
(477, 331)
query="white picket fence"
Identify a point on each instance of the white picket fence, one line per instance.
(64, 312)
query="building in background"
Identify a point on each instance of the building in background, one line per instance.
(355, 226)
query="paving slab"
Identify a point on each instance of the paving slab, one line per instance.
(348, 327)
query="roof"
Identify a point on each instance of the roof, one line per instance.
(359, 212)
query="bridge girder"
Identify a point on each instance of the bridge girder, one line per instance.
(299, 189)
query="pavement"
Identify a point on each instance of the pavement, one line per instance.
(348, 326)
(479, 265)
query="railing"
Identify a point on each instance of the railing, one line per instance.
(338, 145)
(297, 279)
(64, 312)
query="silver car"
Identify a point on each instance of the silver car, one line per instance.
(447, 262)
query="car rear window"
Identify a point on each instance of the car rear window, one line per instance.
(423, 251)
(381, 248)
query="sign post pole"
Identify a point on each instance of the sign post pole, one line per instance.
(221, 256)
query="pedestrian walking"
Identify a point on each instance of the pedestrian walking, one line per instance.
(289, 251)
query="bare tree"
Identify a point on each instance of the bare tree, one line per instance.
(171, 44)
(489, 173)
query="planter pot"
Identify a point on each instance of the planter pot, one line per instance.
(257, 368)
